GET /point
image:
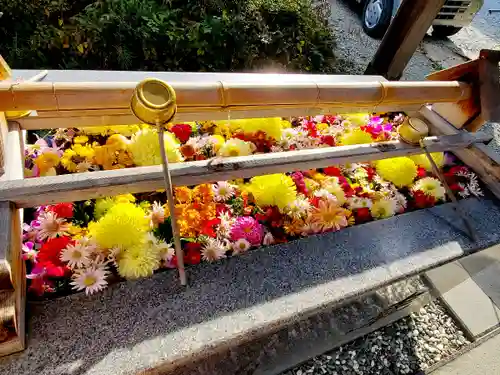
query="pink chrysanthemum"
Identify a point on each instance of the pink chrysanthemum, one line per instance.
(248, 228)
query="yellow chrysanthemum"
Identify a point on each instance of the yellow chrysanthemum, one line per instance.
(273, 190)
(400, 171)
(422, 160)
(333, 187)
(355, 137)
(84, 151)
(125, 198)
(236, 147)
(430, 186)
(271, 126)
(183, 194)
(383, 208)
(358, 119)
(217, 141)
(117, 142)
(123, 225)
(293, 227)
(139, 261)
(102, 206)
(47, 161)
(80, 139)
(67, 160)
(104, 156)
(285, 124)
(146, 150)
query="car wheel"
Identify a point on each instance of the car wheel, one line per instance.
(442, 31)
(376, 17)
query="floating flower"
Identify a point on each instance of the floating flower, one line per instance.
(299, 208)
(182, 132)
(46, 161)
(123, 225)
(156, 214)
(29, 253)
(268, 239)
(241, 246)
(423, 161)
(146, 150)
(273, 190)
(236, 147)
(430, 186)
(213, 250)
(223, 191)
(117, 142)
(248, 228)
(50, 251)
(271, 126)
(293, 227)
(92, 279)
(332, 186)
(357, 202)
(355, 137)
(62, 210)
(401, 171)
(51, 226)
(140, 260)
(329, 216)
(76, 255)
(383, 208)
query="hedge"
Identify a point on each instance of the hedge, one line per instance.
(176, 35)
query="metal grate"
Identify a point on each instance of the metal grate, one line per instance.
(451, 8)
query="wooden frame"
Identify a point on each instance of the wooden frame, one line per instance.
(97, 104)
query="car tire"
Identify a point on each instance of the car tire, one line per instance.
(442, 31)
(376, 17)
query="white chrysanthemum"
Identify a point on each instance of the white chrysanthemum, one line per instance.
(91, 279)
(166, 250)
(76, 256)
(473, 185)
(325, 194)
(225, 225)
(354, 203)
(223, 191)
(213, 250)
(298, 208)
(383, 208)
(156, 214)
(400, 201)
(268, 239)
(430, 186)
(241, 246)
(333, 187)
(51, 226)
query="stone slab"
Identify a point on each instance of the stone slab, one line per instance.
(154, 326)
(470, 287)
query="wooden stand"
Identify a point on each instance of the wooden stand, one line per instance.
(76, 104)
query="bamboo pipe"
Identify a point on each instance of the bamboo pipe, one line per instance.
(219, 96)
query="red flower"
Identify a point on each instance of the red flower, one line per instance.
(332, 171)
(182, 132)
(421, 172)
(63, 210)
(192, 257)
(456, 187)
(362, 215)
(311, 129)
(371, 173)
(208, 227)
(221, 208)
(328, 140)
(315, 201)
(51, 250)
(192, 246)
(422, 200)
(298, 178)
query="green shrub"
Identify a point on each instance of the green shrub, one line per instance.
(179, 35)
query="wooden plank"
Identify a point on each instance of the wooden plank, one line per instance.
(406, 31)
(220, 96)
(13, 299)
(82, 186)
(68, 120)
(479, 157)
(489, 77)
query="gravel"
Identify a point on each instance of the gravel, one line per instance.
(407, 346)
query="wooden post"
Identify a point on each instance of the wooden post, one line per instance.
(12, 267)
(407, 29)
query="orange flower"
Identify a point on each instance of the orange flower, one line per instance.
(183, 194)
(192, 216)
(203, 193)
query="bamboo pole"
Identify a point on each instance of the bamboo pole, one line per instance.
(82, 186)
(219, 96)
